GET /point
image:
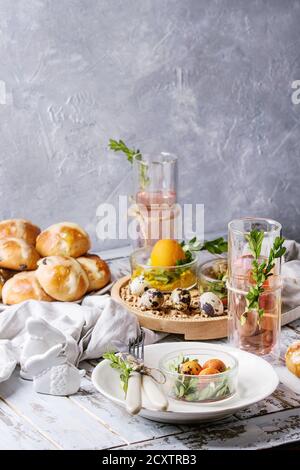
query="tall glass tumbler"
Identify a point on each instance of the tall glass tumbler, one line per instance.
(155, 193)
(247, 328)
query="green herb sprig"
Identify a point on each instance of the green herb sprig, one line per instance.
(132, 154)
(260, 271)
(216, 247)
(120, 146)
(125, 369)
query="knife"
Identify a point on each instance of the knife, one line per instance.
(154, 393)
(133, 398)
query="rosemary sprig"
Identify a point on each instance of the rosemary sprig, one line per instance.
(132, 154)
(216, 247)
(260, 271)
(125, 369)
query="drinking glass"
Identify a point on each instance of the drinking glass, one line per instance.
(154, 189)
(247, 329)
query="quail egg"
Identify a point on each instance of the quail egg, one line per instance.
(211, 304)
(138, 285)
(151, 298)
(181, 299)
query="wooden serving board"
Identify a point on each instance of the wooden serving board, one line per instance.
(191, 328)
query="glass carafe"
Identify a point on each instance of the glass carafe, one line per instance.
(258, 333)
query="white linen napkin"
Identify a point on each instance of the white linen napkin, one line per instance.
(98, 325)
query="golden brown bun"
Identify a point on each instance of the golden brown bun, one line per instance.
(292, 358)
(97, 271)
(23, 286)
(63, 239)
(19, 228)
(5, 274)
(62, 278)
(17, 254)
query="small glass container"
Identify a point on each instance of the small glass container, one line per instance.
(212, 277)
(163, 278)
(247, 329)
(199, 388)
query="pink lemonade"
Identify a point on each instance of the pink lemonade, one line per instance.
(253, 334)
(157, 216)
(156, 197)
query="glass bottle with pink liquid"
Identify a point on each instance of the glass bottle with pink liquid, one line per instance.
(255, 330)
(154, 186)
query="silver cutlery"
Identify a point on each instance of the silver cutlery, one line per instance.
(140, 381)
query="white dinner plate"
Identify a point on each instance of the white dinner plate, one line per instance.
(256, 380)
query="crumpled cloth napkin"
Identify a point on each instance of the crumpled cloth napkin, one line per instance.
(98, 325)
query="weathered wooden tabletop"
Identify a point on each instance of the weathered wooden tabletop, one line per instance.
(87, 420)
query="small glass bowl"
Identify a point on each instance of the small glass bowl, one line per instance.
(163, 278)
(199, 388)
(212, 277)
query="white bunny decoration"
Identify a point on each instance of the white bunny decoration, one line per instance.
(53, 374)
(41, 336)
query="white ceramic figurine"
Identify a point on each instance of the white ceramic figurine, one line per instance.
(41, 336)
(52, 374)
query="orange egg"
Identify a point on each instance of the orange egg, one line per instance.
(166, 253)
(209, 371)
(215, 364)
(191, 367)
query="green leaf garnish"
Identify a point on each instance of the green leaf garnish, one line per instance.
(120, 146)
(260, 270)
(217, 246)
(125, 369)
(132, 154)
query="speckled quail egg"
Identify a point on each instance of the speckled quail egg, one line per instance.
(138, 285)
(211, 304)
(181, 299)
(151, 298)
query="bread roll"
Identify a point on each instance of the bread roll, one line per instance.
(292, 358)
(64, 239)
(19, 228)
(23, 286)
(17, 254)
(62, 278)
(97, 271)
(5, 274)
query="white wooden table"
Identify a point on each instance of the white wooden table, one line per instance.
(87, 420)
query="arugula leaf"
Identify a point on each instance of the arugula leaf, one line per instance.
(217, 246)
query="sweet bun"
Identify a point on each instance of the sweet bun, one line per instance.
(16, 253)
(96, 269)
(63, 239)
(62, 278)
(19, 228)
(23, 286)
(292, 358)
(5, 274)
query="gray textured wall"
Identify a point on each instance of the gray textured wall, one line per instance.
(208, 80)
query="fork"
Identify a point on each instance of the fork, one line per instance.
(138, 382)
(134, 388)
